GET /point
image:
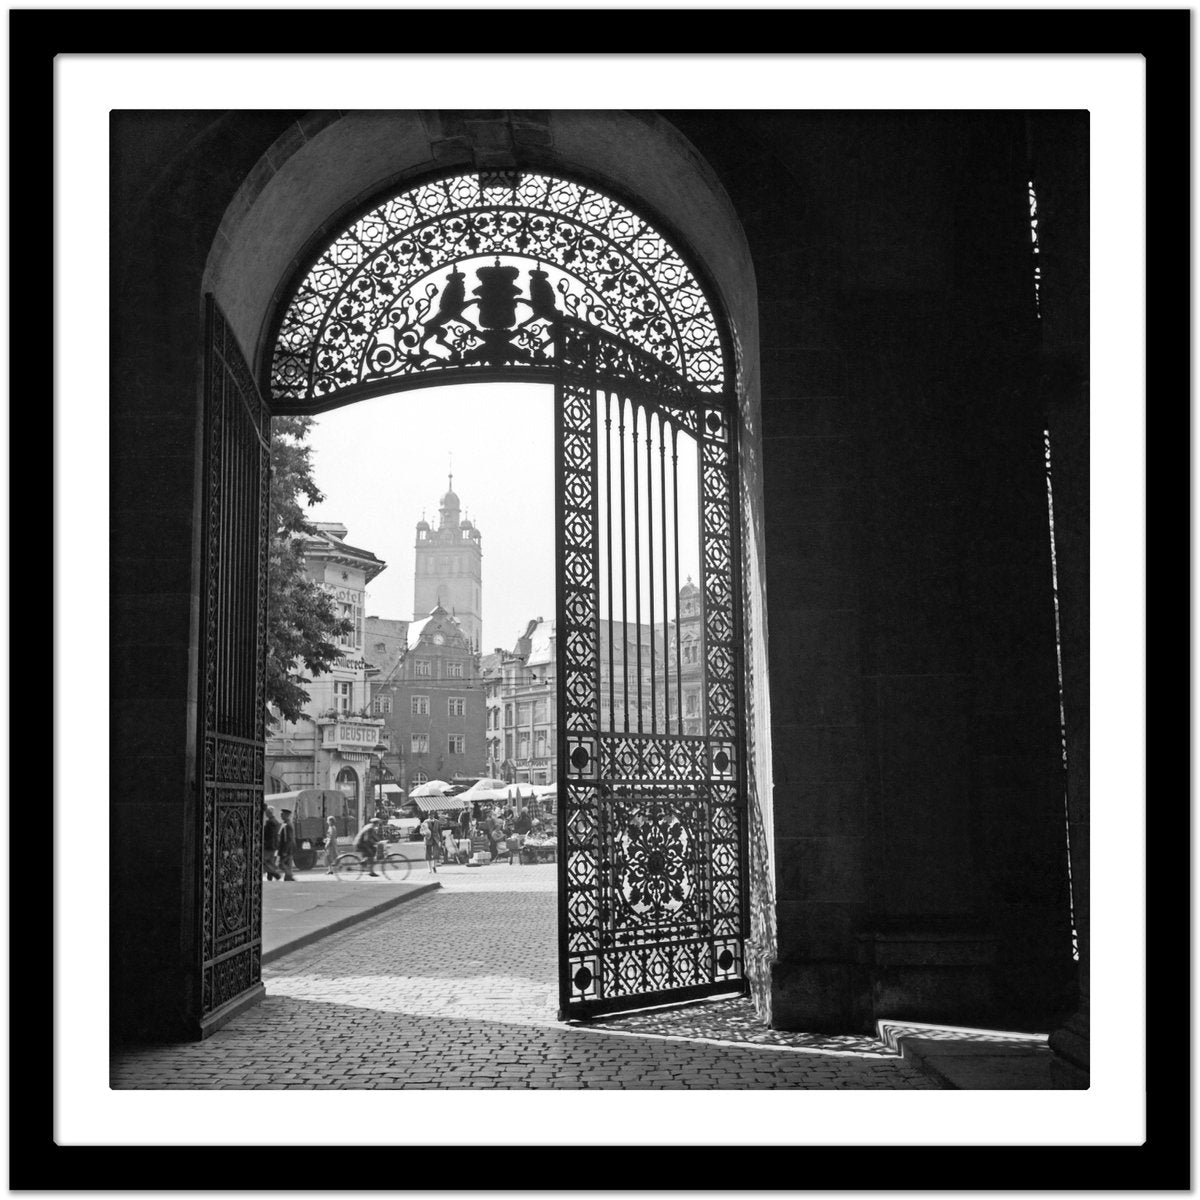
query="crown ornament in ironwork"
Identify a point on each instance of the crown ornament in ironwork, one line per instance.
(493, 335)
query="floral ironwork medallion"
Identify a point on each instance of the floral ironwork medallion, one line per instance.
(655, 881)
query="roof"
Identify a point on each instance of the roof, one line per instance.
(325, 542)
(438, 616)
(415, 629)
(391, 635)
(541, 644)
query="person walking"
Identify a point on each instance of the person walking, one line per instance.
(331, 844)
(270, 842)
(287, 845)
(433, 841)
(464, 824)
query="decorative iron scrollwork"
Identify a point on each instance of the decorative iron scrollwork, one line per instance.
(388, 297)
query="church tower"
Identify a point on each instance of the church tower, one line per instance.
(449, 568)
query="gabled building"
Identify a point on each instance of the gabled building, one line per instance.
(430, 699)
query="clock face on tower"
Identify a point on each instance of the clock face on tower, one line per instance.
(438, 639)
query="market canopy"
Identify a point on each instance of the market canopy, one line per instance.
(486, 794)
(435, 787)
(484, 785)
(428, 804)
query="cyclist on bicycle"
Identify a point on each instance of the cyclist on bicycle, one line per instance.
(369, 837)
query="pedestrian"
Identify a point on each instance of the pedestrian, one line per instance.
(366, 842)
(449, 844)
(270, 841)
(287, 844)
(433, 841)
(331, 845)
(464, 824)
(495, 833)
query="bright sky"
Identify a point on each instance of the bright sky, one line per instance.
(383, 462)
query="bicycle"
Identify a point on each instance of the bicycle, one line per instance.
(352, 866)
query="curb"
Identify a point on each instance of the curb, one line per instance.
(315, 935)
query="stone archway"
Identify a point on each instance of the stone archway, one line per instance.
(246, 258)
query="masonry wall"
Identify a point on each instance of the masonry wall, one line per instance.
(919, 842)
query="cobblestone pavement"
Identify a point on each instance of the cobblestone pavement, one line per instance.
(456, 989)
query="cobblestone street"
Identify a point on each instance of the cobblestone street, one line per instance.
(456, 989)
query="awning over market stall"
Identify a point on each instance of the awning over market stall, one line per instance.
(427, 804)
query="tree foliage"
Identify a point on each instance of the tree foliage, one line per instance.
(302, 624)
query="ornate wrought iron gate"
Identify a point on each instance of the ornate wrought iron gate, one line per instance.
(232, 672)
(652, 899)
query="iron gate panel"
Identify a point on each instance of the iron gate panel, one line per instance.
(652, 821)
(233, 668)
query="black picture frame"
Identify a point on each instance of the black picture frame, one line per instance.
(1163, 38)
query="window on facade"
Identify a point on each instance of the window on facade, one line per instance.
(523, 744)
(541, 743)
(522, 714)
(456, 706)
(508, 714)
(420, 777)
(342, 693)
(420, 706)
(420, 743)
(381, 706)
(423, 667)
(454, 670)
(508, 745)
(457, 743)
(349, 608)
(692, 698)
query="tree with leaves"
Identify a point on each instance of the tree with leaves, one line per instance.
(302, 624)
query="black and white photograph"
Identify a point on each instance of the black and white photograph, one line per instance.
(600, 596)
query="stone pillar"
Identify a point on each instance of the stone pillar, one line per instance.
(920, 852)
(165, 218)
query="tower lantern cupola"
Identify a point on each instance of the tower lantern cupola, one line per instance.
(449, 507)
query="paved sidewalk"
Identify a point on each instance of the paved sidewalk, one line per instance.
(317, 905)
(453, 985)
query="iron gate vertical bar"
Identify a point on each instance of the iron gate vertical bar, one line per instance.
(612, 682)
(650, 564)
(560, 666)
(678, 624)
(637, 566)
(624, 562)
(666, 595)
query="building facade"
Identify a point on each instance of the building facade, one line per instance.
(491, 677)
(334, 744)
(431, 701)
(527, 705)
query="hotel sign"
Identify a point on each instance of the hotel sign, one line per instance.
(352, 735)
